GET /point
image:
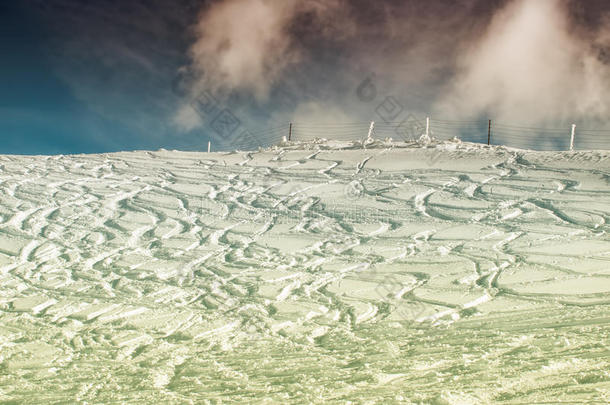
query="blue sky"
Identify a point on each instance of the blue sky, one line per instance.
(67, 84)
(38, 112)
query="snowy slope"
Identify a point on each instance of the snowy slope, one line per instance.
(318, 272)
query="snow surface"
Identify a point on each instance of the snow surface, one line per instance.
(315, 272)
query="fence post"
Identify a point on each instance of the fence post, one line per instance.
(427, 127)
(489, 133)
(209, 145)
(370, 135)
(290, 132)
(572, 137)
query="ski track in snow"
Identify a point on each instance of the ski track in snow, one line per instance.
(182, 276)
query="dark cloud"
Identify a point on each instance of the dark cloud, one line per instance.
(456, 58)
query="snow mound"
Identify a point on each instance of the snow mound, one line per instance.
(373, 271)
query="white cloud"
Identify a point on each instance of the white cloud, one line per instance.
(187, 119)
(530, 66)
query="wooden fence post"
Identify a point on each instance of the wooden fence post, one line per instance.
(572, 137)
(489, 133)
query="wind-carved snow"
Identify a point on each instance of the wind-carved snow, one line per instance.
(320, 272)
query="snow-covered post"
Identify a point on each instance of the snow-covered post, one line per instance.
(209, 146)
(370, 135)
(425, 137)
(572, 137)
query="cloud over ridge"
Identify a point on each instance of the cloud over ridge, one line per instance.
(522, 61)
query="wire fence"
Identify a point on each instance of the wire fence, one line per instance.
(411, 129)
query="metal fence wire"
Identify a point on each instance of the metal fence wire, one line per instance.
(412, 128)
(497, 133)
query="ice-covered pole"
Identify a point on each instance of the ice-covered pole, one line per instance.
(370, 135)
(209, 146)
(425, 137)
(572, 137)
